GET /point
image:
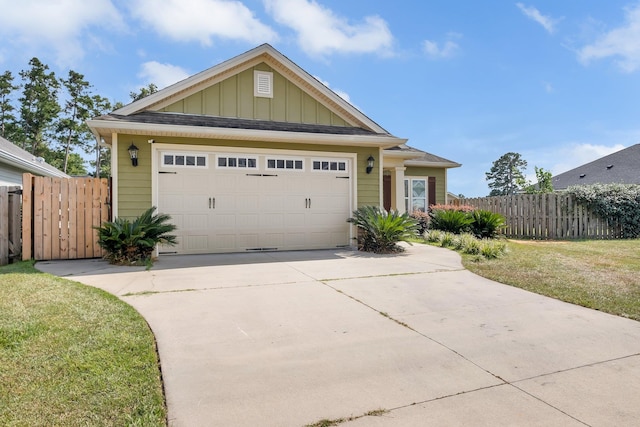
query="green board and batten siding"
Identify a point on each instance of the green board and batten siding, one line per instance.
(134, 183)
(439, 173)
(234, 97)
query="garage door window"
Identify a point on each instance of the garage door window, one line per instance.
(285, 163)
(237, 162)
(330, 165)
(184, 160)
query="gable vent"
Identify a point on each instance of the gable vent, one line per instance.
(263, 84)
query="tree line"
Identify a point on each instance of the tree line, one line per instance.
(46, 116)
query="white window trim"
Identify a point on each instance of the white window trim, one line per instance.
(408, 196)
(263, 84)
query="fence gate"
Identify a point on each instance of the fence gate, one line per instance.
(59, 215)
(10, 225)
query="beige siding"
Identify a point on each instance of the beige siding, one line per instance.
(440, 175)
(134, 183)
(233, 97)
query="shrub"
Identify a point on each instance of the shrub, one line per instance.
(461, 208)
(491, 249)
(380, 231)
(486, 224)
(467, 243)
(132, 242)
(422, 218)
(613, 202)
(450, 220)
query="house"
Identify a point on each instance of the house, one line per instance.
(14, 161)
(256, 154)
(621, 167)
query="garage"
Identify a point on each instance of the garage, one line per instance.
(240, 200)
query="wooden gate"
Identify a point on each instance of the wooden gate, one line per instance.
(10, 224)
(59, 216)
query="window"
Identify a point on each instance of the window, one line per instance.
(329, 165)
(415, 194)
(263, 84)
(285, 164)
(184, 160)
(237, 162)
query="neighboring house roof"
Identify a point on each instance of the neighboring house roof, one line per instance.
(416, 157)
(622, 167)
(12, 155)
(142, 117)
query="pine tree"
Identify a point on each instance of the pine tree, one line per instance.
(506, 174)
(72, 130)
(7, 119)
(38, 105)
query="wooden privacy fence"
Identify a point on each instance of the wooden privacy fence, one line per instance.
(59, 214)
(10, 225)
(546, 216)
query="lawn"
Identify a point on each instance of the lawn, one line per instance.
(599, 274)
(73, 355)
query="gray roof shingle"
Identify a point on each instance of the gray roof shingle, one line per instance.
(621, 167)
(179, 119)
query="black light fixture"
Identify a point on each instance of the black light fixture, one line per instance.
(370, 162)
(133, 153)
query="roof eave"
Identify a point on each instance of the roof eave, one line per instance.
(31, 167)
(448, 165)
(106, 128)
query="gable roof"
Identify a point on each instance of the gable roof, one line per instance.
(15, 156)
(143, 117)
(621, 167)
(416, 157)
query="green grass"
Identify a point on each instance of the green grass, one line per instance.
(599, 274)
(73, 355)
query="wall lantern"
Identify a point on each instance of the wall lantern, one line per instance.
(133, 153)
(370, 161)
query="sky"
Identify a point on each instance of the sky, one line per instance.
(557, 81)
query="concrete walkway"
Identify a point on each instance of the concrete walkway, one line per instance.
(292, 338)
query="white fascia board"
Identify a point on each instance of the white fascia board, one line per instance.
(432, 164)
(191, 85)
(30, 166)
(383, 141)
(194, 80)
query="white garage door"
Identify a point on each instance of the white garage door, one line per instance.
(237, 202)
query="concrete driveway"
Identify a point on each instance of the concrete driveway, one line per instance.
(292, 338)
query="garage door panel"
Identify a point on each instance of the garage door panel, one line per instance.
(247, 221)
(222, 222)
(272, 240)
(196, 243)
(195, 222)
(227, 209)
(223, 242)
(270, 221)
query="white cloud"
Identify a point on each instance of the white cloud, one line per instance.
(622, 42)
(322, 32)
(578, 154)
(342, 94)
(63, 26)
(202, 20)
(435, 51)
(162, 75)
(546, 21)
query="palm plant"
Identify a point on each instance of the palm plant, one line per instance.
(486, 224)
(453, 221)
(132, 242)
(380, 231)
